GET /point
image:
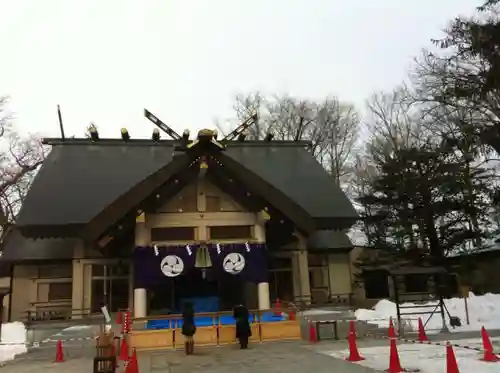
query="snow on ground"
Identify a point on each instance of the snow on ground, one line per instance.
(74, 328)
(317, 311)
(427, 358)
(77, 327)
(13, 340)
(484, 310)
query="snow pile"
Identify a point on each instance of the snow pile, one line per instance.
(425, 358)
(75, 328)
(13, 340)
(317, 311)
(484, 310)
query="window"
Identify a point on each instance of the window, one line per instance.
(231, 232)
(376, 284)
(213, 204)
(416, 283)
(60, 291)
(172, 234)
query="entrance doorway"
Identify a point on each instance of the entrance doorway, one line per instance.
(109, 285)
(281, 284)
(206, 290)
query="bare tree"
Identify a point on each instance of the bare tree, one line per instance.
(393, 123)
(463, 74)
(19, 160)
(330, 125)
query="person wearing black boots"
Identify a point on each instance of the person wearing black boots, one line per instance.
(188, 328)
(243, 330)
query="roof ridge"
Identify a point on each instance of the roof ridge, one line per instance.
(150, 142)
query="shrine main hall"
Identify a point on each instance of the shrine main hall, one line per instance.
(147, 224)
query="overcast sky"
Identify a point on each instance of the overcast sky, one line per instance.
(106, 60)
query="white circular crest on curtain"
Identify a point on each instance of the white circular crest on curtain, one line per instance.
(233, 263)
(172, 266)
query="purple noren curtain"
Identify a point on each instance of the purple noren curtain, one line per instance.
(247, 260)
(152, 265)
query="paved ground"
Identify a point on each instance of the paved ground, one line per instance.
(289, 357)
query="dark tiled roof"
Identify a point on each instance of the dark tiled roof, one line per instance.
(329, 240)
(19, 248)
(293, 171)
(78, 181)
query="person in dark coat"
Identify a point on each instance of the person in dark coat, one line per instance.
(243, 330)
(188, 328)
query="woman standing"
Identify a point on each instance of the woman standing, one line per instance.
(188, 328)
(243, 331)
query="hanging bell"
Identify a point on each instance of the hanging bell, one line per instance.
(203, 258)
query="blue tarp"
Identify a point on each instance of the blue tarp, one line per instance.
(208, 321)
(202, 304)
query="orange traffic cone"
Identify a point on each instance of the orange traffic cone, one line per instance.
(134, 366)
(354, 354)
(394, 363)
(313, 338)
(489, 356)
(277, 308)
(352, 328)
(59, 352)
(422, 337)
(451, 360)
(124, 350)
(392, 332)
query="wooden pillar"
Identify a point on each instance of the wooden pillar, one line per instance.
(142, 238)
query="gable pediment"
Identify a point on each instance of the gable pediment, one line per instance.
(201, 196)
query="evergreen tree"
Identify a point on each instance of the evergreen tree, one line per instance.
(420, 205)
(465, 74)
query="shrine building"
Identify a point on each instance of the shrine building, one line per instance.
(148, 224)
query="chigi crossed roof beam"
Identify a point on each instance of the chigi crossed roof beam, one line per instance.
(161, 125)
(237, 133)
